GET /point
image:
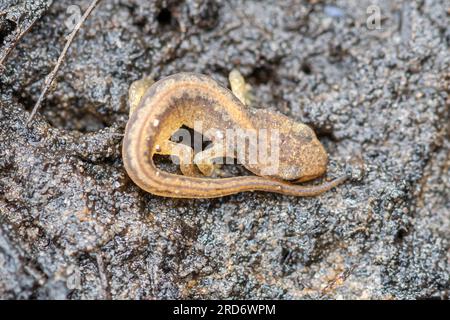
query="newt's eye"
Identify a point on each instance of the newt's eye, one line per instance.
(308, 137)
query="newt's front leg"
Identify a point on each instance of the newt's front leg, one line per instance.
(205, 159)
(183, 153)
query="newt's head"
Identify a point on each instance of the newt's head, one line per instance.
(301, 156)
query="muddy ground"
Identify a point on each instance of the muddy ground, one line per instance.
(74, 226)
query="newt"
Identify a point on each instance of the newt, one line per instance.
(158, 110)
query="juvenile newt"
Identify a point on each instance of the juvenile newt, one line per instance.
(160, 109)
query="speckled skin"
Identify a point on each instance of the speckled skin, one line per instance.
(182, 99)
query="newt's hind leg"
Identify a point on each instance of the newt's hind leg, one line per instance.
(205, 159)
(183, 153)
(137, 91)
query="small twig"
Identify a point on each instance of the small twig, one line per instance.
(337, 281)
(16, 41)
(103, 276)
(52, 75)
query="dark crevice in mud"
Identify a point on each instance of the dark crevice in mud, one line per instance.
(85, 122)
(53, 111)
(6, 28)
(400, 235)
(262, 75)
(197, 141)
(324, 133)
(307, 68)
(164, 17)
(24, 100)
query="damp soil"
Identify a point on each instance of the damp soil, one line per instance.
(74, 226)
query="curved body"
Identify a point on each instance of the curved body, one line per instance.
(186, 98)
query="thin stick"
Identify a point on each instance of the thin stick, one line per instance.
(52, 75)
(16, 41)
(103, 276)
